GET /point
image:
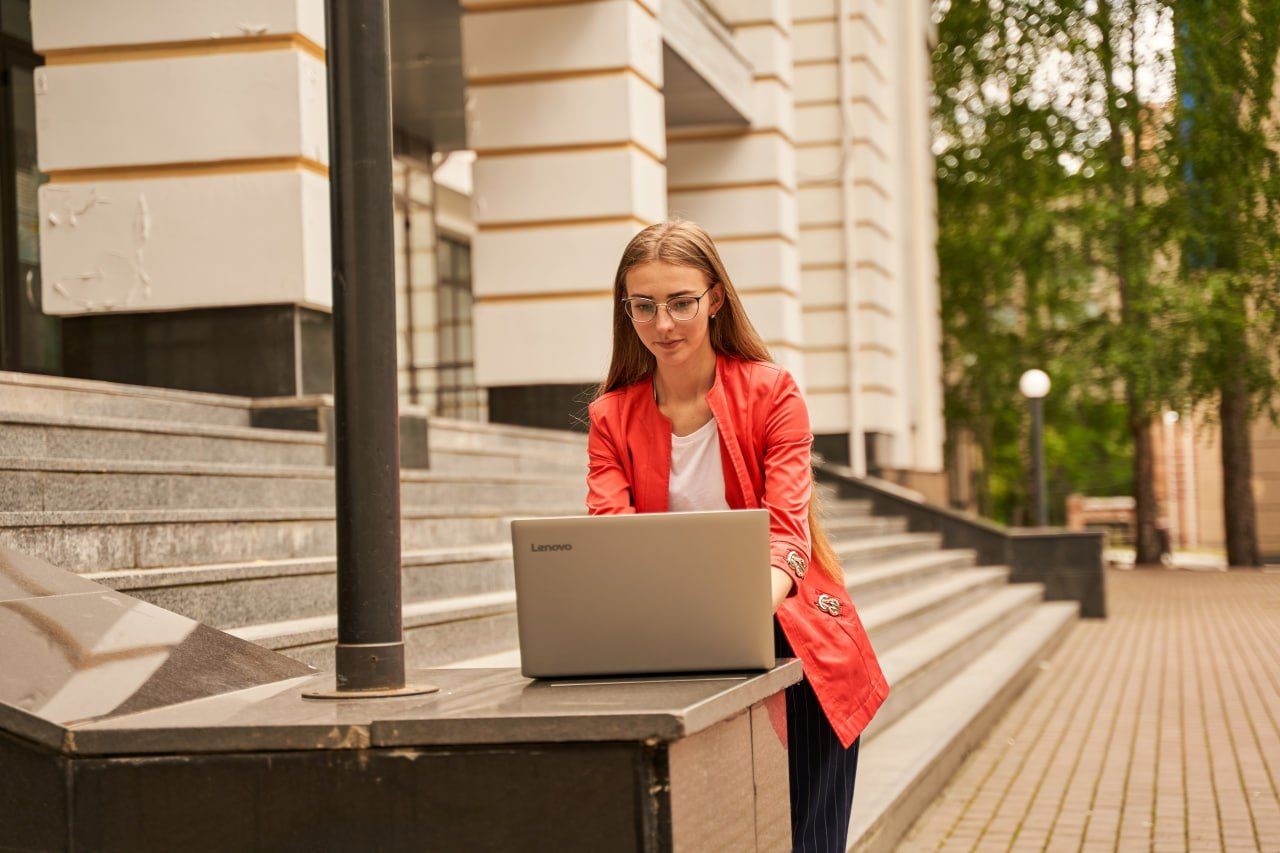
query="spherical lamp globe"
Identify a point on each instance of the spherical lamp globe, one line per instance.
(1034, 384)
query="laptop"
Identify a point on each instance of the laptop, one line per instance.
(643, 594)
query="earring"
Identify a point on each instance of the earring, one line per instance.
(713, 316)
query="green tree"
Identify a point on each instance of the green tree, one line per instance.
(1227, 192)
(1024, 219)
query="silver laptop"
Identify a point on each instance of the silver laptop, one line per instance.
(646, 593)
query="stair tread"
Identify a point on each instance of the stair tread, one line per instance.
(249, 570)
(201, 430)
(871, 543)
(922, 596)
(235, 514)
(903, 565)
(415, 614)
(910, 656)
(902, 754)
(233, 469)
(488, 428)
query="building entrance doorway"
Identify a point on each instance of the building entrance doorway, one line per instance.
(29, 341)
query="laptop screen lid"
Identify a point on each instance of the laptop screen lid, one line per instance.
(643, 593)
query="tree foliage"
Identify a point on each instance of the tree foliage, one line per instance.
(1106, 221)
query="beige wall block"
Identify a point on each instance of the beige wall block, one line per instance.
(749, 159)
(738, 212)
(828, 412)
(827, 369)
(817, 163)
(755, 264)
(867, 77)
(821, 245)
(569, 185)
(191, 242)
(820, 205)
(64, 24)
(817, 123)
(549, 260)
(768, 51)
(801, 9)
(876, 328)
(816, 83)
(823, 286)
(735, 11)
(537, 341)
(814, 40)
(578, 37)
(577, 111)
(773, 107)
(180, 110)
(776, 317)
(825, 328)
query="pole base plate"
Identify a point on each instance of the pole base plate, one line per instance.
(376, 693)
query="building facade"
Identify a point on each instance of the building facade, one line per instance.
(181, 158)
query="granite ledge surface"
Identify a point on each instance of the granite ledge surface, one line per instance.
(474, 707)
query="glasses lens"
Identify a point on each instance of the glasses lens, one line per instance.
(683, 308)
(642, 311)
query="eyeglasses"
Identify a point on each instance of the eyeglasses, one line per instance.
(642, 309)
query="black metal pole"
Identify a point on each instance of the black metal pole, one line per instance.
(370, 653)
(1037, 460)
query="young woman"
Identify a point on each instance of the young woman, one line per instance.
(694, 415)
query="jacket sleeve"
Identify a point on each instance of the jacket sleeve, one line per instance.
(788, 479)
(608, 489)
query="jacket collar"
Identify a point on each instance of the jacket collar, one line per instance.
(658, 426)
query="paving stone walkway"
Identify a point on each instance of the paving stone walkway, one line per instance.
(1156, 729)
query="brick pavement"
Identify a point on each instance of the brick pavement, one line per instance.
(1156, 729)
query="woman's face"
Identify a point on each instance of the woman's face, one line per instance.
(673, 342)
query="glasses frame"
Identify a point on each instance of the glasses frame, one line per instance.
(626, 307)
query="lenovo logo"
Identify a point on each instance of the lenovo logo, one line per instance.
(564, 547)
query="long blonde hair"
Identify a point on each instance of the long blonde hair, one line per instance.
(680, 242)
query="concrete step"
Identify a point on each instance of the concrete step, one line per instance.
(895, 619)
(449, 433)
(139, 539)
(506, 461)
(902, 768)
(55, 395)
(435, 632)
(920, 664)
(232, 595)
(872, 582)
(845, 509)
(874, 550)
(82, 484)
(41, 436)
(864, 526)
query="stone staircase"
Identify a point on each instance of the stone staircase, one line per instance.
(175, 498)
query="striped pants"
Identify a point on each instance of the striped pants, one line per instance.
(822, 771)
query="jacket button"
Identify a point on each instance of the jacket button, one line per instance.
(797, 563)
(829, 604)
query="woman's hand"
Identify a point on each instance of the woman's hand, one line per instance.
(781, 586)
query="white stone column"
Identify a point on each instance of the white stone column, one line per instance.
(565, 114)
(866, 244)
(741, 185)
(922, 320)
(186, 144)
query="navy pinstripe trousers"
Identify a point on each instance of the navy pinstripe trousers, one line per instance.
(822, 771)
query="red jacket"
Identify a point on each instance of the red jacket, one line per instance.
(764, 446)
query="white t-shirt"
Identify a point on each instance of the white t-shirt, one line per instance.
(697, 478)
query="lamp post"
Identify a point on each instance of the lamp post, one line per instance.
(369, 656)
(1034, 385)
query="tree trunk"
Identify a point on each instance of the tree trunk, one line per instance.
(1146, 541)
(1239, 514)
